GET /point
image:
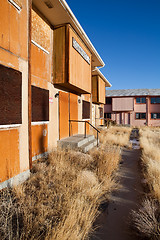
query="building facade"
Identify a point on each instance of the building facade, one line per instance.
(48, 68)
(135, 107)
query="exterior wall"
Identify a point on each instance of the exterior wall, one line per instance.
(107, 108)
(153, 108)
(14, 151)
(40, 77)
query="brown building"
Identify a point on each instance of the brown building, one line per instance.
(48, 76)
(136, 107)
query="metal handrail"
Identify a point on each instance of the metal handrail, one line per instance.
(86, 122)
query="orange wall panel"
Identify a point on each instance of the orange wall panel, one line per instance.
(39, 139)
(101, 90)
(9, 154)
(14, 30)
(63, 115)
(79, 69)
(4, 23)
(40, 31)
(95, 89)
(74, 113)
(23, 33)
(8, 59)
(40, 63)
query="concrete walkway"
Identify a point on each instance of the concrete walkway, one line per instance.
(115, 220)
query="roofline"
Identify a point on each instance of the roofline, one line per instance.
(103, 77)
(113, 93)
(90, 45)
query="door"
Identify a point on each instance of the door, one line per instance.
(73, 112)
(68, 109)
(63, 115)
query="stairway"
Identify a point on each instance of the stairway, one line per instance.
(78, 142)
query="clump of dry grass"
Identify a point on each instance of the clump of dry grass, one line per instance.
(61, 198)
(116, 135)
(146, 219)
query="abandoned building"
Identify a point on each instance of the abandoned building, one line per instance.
(50, 84)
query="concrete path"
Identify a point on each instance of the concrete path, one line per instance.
(115, 220)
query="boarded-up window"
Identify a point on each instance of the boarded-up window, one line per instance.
(86, 110)
(40, 104)
(10, 96)
(101, 112)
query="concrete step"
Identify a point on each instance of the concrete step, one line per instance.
(77, 141)
(88, 146)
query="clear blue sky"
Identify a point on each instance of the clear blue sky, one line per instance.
(126, 34)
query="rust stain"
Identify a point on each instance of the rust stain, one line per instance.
(39, 139)
(40, 31)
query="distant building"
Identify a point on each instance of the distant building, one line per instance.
(135, 107)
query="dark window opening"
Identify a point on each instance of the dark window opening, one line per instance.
(40, 104)
(101, 112)
(10, 96)
(107, 115)
(155, 100)
(85, 110)
(155, 115)
(140, 100)
(108, 100)
(140, 115)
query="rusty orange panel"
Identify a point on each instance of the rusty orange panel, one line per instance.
(9, 154)
(38, 82)
(63, 115)
(23, 32)
(4, 24)
(74, 113)
(8, 59)
(14, 31)
(39, 139)
(40, 63)
(40, 31)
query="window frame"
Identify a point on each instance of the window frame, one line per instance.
(156, 118)
(155, 102)
(141, 100)
(140, 116)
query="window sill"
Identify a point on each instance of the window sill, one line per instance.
(10, 126)
(39, 123)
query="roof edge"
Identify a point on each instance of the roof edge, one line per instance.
(71, 14)
(108, 84)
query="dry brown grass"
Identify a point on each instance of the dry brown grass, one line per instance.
(150, 144)
(116, 135)
(146, 219)
(61, 198)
